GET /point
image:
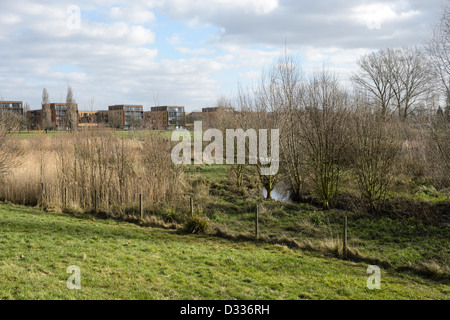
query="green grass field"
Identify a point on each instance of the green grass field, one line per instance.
(401, 243)
(119, 260)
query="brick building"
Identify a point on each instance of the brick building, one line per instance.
(59, 115)
(88, 119)
(125, 116)
(166, 117)
(14, 106)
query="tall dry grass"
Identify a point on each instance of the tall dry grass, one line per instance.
(84, 171)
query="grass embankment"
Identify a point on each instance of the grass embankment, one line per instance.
(404, 244)
(119, 260)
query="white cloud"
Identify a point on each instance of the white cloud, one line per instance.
(118, 32)
(374, 15)
(10, 19)
(116, 58)
(259, 7)
(132, 15)
(201, 8)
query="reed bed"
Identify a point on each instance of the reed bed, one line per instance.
(93, 171)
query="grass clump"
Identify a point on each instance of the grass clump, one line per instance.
(196, 224)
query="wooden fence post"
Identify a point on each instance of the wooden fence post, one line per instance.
(141, 207)
(257, 223)
(95, 201)
(345, 245)
(42, 195)
(65, 197)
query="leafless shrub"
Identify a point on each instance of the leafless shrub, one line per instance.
(160, 174)
(376, 147)
(94, 169)
(258, 112)
(11, 121)
(324, 134)
(10, 153)
(438, 48)
(437, 137)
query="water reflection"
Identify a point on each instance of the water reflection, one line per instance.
(280, 192)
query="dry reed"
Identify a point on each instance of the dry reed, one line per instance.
(93, 171)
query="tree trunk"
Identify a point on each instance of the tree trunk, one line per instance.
(269, 194)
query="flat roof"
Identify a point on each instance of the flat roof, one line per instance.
(127, 105)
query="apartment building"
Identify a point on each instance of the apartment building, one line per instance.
(166, 117)
(88, 119)
(59, 115)
(192, 117)
(102, 117)
(34, 119)
(125, 117)
(14, 106)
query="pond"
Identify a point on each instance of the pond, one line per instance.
(280, 192)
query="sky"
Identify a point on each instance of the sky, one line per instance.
(188, 52)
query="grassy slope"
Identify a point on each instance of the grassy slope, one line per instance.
(401, 243)
(123, 261)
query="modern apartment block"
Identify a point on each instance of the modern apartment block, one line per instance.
(121, 116)
(125, 117)
(88, 119)
(166, 117)
(15, 106)
(103, 117)
(34, 119)
(59, 115)
(192, 117)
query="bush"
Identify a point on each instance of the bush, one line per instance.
(85, 163)
(428, 190)
(170, 215)
(196, 224)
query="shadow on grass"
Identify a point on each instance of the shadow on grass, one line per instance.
(40, 225)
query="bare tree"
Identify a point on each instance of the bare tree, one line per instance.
(71, 112)
(438, 49)
(289, 94)
(374, 151)
(135, 121)
(27, 116)
(409, 77)
(396, 78)
(46, 115)
(437, 133)
(257, 111)
(266, 112)
(235, 120)
(11, 120)
(437, 137)
(10, 152)
(373, 77)
(115, 120)
(324, 133)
